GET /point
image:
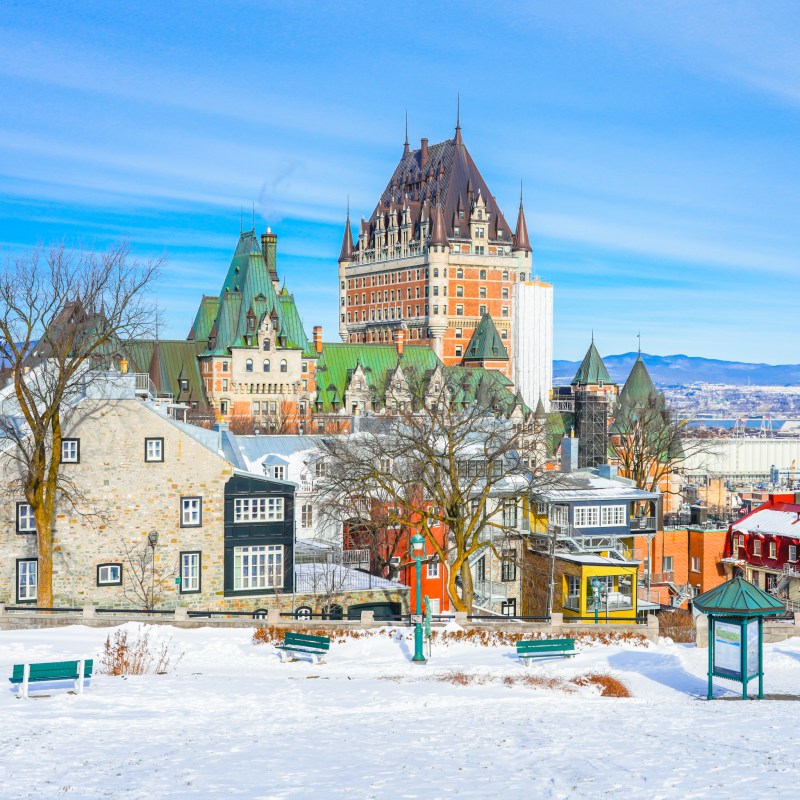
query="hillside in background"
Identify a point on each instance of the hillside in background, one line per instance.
(680, 370)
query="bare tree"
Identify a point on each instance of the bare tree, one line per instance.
(458, 473)
(63, 314)
(649, 442)
(146, 580)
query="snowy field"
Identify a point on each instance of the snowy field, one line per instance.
(233, 722)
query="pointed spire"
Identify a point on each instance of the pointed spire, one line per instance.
(521, 241)
(438, 235)
(405, 144)
(592, 371)
(486, 344)
(540, 413)
(458, 118)
(346, 253)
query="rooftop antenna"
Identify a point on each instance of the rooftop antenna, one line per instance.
(639, 338)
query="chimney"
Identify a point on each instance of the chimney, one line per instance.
(569, 454)
(317, 335)
(269, 246)
(423, 151)
(607, 470)
(399, 337)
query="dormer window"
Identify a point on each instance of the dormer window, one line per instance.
(266, 345)
(480, 214)
(184, 384)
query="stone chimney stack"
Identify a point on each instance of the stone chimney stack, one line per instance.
(317, 336)
(399, 337)
(423, 151)
(569, 454)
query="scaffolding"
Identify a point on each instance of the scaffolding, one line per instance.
(591, 428)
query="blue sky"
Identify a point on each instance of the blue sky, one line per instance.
(657, 142)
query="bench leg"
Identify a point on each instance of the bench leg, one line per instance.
(26, 675)
(79, 684)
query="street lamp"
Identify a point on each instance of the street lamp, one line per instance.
(152, 540)
(418, 554)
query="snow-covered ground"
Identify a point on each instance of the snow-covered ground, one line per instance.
(233, 722)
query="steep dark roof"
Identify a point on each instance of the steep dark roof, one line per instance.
(449, 178)
(346, 253)
(486, 344)
(521, 241)
(438, 236)
(592, 370)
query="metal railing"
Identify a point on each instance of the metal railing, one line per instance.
(643, 524)
(662, 577)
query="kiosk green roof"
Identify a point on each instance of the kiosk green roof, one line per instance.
(738, 598)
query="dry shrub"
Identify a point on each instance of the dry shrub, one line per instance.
(608, 685)
(457, 678)
(136, 657)
(481, 637)
(678, 625)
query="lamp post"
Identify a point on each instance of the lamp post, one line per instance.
(418, 554)
(152, 540)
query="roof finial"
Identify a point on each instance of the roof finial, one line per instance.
(458, 117)
(639, 338)
(592, 335)
(348, 206)
(520, 192)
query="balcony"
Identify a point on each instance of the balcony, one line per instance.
(643, 525)
(662, 577)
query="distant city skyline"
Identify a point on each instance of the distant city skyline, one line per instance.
(656, 144)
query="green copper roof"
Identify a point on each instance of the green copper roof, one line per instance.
(639, 386)
(338, 361)
(484, 386)
(248, 292)
(486, 344)
(738, 597)
(592, 371)
(167, 363)
(204, 319)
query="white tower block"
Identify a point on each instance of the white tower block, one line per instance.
(532, 323)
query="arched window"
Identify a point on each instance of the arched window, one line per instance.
(304, 612)
(505, 274)
(266, 365)
(284, 367)
(248, 365)
(483, 274)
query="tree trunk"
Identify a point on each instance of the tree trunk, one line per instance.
(44, 536)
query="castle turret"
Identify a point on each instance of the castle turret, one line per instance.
(345, 259)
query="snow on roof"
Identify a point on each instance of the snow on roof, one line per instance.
(782, 519)
(586, 484)
(339, 578)
(594, 560)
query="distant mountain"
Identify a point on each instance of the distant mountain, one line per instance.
(680, 370)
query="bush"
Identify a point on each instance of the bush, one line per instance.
(608, 685)
(678, 625)
(138, 656)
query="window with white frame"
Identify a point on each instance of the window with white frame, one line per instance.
(279, 472)
(587, 516)
(432, 569)
(258, 509)
(559, 515)
(70, 451)
(792, 552)
(190, 572)
(27, 579)
(258, 567)
(756, 547)
(773, 550)
(667, 564)
(306, 515)
(154, 449)
(433, 605)
(510, 513)
(25, 521)
(191, 512)
(612, 516)
(695, 563)
(109, 574)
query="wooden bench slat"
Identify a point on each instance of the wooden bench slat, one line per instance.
(306, 638)
(52, 671)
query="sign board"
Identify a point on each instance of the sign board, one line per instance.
(728, 650)
(416, 619)
(752, 648)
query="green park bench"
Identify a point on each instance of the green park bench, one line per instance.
(528, 649)
(23, 675)
(297, 644)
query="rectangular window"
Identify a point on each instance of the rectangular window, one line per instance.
(612, 516)
(792, 552)
(432, 569)
(279, 473)
(756, 547)
(587, 516)
(508, 566)
(258, 509)
(480, 569)
(510, 514)
(70, 451)
(509, 607)
(667, 564)
(27, 579)
(190, 572)
(25, 520)
(154, 449)
(481, 311)
(109, 574)
(459, 311)
(773, 550)
(306, 515)
(559, 515)
(695, 563)
(191, 512)
(258, 567)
